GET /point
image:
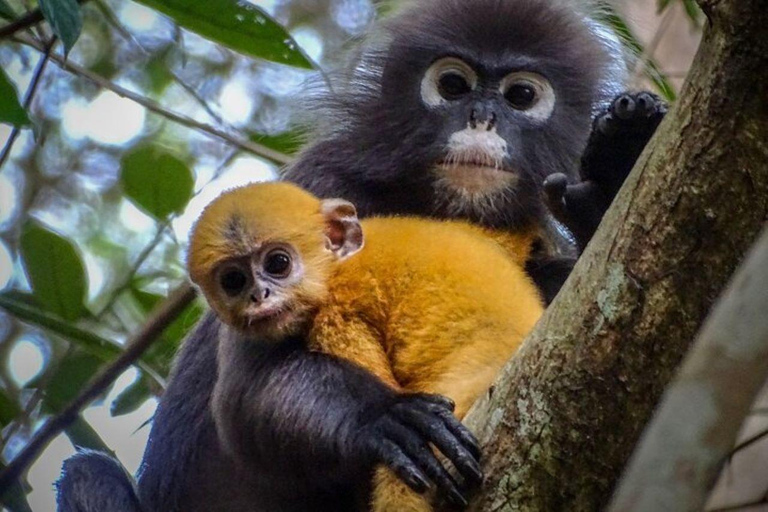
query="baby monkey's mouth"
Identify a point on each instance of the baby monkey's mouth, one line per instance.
(259, 317)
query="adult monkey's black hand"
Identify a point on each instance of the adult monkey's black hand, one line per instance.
(399, 438)
(619, 134)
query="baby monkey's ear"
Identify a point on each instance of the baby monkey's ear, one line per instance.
(343, 233)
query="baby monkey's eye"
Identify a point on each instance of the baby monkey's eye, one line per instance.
(277, 264)
(233, 281)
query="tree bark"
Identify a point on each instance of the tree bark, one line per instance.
(696, 424)
(567, 411)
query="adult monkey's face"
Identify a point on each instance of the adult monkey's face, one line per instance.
(487, 98)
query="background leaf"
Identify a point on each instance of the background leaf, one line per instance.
(693, 11)
(160, 354)
(611, 18)
(11, 110)
(131, 398)
(67, 379)
(287, 143)
(82, 435)
(6, 11)
(65, 20)
(55, 271)
(24, 308)
(9, 409)
(157, 181)
(238, 25)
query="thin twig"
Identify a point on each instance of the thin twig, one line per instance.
(739, 506)
(30, 95)
(113, 20)
(173, 306)
(748, 442)
(153, 106)
(140, 259)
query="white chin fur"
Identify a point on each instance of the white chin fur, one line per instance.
(477, 145)
(471, 178)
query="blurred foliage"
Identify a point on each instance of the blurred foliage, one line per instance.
(97, 193)
(11, 110)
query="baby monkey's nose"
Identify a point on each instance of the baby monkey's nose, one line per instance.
(259, 295)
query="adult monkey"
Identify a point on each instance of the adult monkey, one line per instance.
(453, 109)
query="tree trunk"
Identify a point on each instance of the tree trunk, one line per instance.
(566, 412)
(696, 424)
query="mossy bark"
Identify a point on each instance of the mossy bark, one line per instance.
(566, 412)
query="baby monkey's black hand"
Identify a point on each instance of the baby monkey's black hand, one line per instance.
(619, 134)
(400, 439)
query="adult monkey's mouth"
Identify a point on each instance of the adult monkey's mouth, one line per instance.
(474, 172)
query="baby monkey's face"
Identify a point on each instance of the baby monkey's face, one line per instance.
(261, 293)
(262, 255)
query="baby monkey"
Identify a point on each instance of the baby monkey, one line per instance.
(427, 306)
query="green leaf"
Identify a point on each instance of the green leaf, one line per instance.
(157, 181)
(160, 354)
(11, 110)
(69, 376)
(239, 25)
(55, 271)
(65, 20)
(131, 398)
(287, 143)
(6, 11)
(693, 11)
(158, 72)
(609, 16)
(82, 435)
(9, 409)
(13, 497)
(24, 307)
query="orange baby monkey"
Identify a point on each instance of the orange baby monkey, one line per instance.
(425, 305)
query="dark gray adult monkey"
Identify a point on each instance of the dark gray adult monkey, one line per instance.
(455, 108)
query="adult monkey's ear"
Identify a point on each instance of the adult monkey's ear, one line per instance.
(343, 233)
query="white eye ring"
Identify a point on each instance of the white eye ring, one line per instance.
(430, 84)
(542, 108)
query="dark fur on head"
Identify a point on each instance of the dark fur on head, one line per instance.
(377, 142)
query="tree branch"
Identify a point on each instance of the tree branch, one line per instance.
(29, 97)
(151, 105)
(699, 418)
(566, 412)
(161, 318)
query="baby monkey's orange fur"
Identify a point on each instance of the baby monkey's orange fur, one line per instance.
(427, 306)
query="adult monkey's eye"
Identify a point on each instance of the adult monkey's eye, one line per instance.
(278, 264)
(233, 281)
(452, 85)
(447, 79)
(521, 95)
(529, 93)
